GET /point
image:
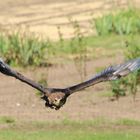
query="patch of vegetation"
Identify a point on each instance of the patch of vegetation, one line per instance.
(22, 48)
(7, 119)
(71, 129)
(124, 22)
(130, 83)
(83, 124)
(128, 122)
(96, 46)
(65, 135)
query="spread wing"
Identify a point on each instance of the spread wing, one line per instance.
(108, 74)
(58, 97)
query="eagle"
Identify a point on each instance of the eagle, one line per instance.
(55, 98)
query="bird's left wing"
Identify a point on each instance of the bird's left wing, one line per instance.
(128, 67)
(108, 74)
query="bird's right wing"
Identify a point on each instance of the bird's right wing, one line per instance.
(7, 70)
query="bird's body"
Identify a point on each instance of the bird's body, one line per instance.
(56, 97)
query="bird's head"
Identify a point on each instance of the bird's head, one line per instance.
(55, 99)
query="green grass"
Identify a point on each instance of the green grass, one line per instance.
(6, 119)
(123, 22)
(67, 135)
(97, 129)
(97, 46)
(128, 122)
(111, 41)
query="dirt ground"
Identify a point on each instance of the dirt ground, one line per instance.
(19, 101)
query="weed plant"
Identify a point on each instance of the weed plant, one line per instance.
(22, 49)
(123, 23)
(131, 83)
(79, 49)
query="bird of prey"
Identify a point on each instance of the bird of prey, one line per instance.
(55, 98)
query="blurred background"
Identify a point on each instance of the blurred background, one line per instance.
(61, 43)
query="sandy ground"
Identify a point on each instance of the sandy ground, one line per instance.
(45, 16)
(19, 101)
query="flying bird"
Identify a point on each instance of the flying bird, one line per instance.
(55, 98)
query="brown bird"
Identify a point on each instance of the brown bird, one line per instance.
(56, 97)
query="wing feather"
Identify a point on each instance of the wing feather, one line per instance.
(118, 71)
(128, 67)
